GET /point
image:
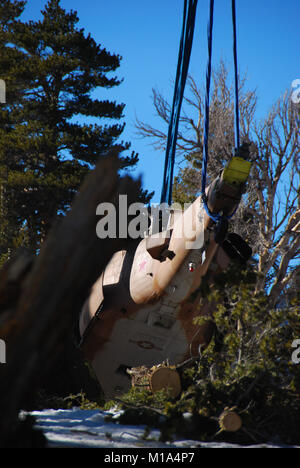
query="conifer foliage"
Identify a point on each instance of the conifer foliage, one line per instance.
(50, 68)
(250, 369)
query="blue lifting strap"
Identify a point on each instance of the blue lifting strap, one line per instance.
(186, 41)
(236, 78)
(216, 216)
(189, 15)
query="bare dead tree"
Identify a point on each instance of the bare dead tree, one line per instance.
(268, 216)
(277, 198)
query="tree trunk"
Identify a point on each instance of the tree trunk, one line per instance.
(53, 292)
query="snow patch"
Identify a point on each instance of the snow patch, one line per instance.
(88, 429)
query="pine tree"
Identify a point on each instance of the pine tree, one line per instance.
(53, 69)
(9, 57)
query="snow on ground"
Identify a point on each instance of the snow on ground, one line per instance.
(77, 428)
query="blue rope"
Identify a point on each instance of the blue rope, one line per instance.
(189, 15)
(216, 216)
(236, 76)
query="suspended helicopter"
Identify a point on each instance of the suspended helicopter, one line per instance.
(142, 308)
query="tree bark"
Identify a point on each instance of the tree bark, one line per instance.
(52, 294)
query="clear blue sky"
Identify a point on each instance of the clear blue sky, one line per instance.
(146, 34)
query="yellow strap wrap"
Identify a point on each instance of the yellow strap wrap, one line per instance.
(236, 171)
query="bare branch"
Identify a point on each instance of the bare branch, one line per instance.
(268, 213)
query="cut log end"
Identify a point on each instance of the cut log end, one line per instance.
(230, 421)
(165, 378)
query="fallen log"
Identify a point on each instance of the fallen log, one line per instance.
(156, 378)
(166, 378)
(230, 421)
(52, 292)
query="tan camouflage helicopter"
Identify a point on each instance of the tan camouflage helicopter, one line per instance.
(141, 310)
